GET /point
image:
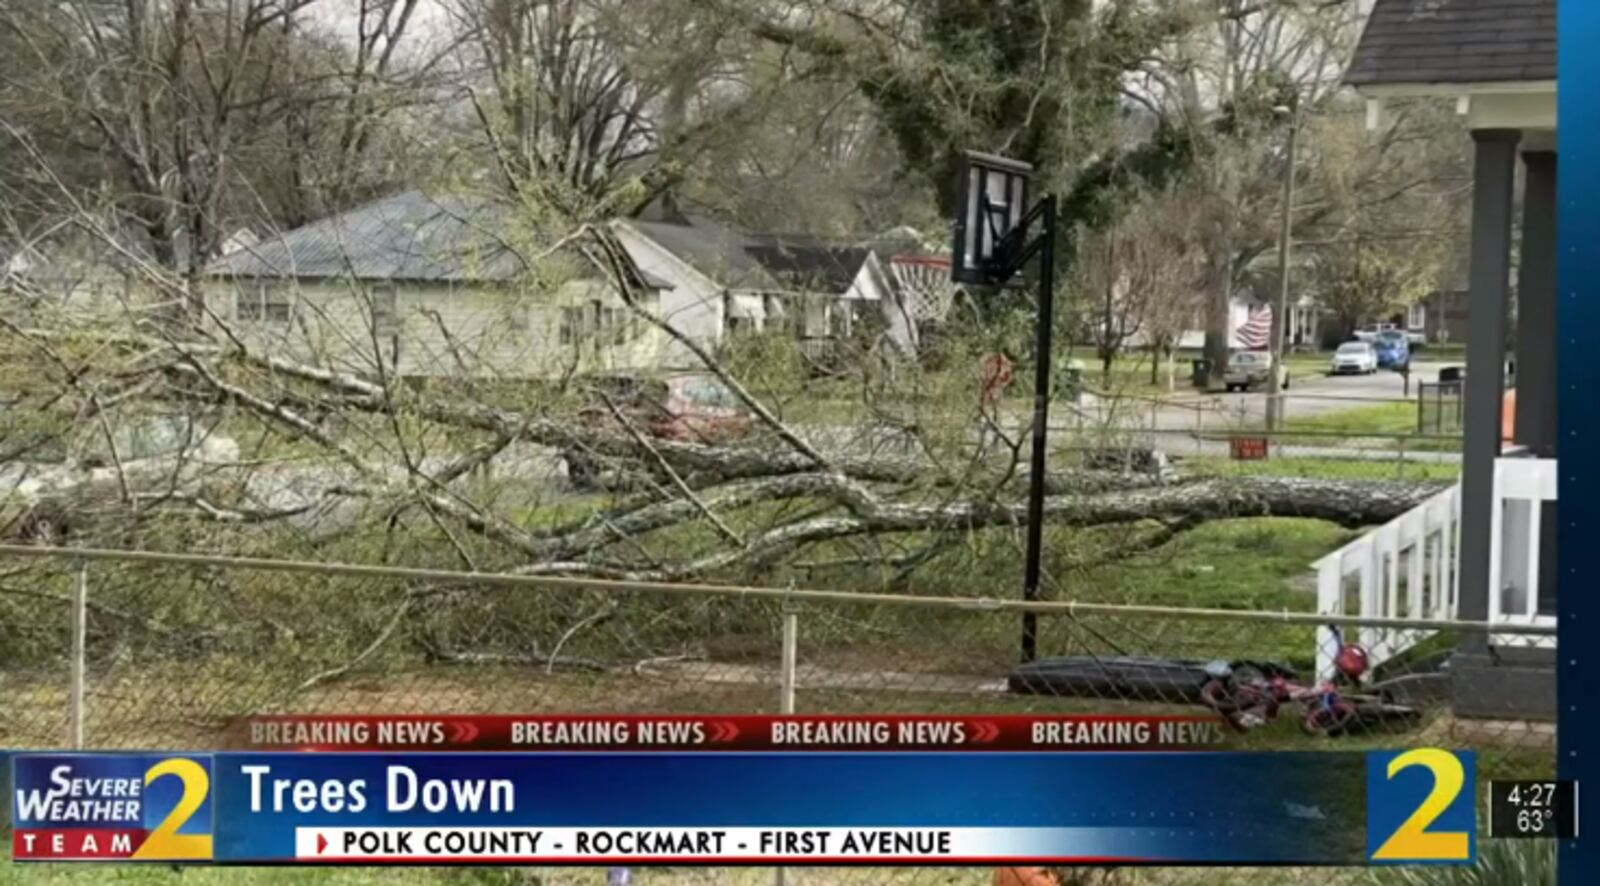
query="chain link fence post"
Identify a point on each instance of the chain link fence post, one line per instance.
(80, 625)
(791, 638)
(786, 685)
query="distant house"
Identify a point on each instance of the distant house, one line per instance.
(66, 274)
(422, 285)
(107, 273)
(1441, 316)
(724, 282)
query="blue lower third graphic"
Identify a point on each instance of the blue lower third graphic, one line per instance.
(622, 808)
(731, 808)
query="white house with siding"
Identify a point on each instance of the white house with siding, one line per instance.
(419, 285)
(724, 282)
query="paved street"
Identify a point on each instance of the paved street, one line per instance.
(1307, 396)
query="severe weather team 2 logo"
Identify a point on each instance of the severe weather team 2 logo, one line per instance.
(92, 806)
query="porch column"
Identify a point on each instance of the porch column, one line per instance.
(1493, 176)
(1536, 341)
(1536, 307)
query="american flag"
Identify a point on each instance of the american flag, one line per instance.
(1256, 332)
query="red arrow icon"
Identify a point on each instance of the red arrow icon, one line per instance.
(984, 731)
(463, 731)
(322, 844)
(723, 731)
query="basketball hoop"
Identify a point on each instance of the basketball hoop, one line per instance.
(926, 290)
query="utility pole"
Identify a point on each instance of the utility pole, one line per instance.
(1275, 405)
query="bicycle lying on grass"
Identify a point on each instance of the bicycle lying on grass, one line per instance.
(1248, 693)
(1249, 696)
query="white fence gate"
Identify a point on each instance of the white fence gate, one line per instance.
(1408, 567)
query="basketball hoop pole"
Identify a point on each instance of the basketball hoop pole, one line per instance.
(991, 245)
(1041, 422)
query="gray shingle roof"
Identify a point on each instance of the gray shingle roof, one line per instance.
(765, 261)
(710, 248)
(407, 237)
(1456, 41)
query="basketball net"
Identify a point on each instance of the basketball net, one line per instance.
(926, 290)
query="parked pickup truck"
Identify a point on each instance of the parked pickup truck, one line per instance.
(1414, 337)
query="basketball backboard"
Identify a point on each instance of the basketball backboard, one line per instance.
(991, 200)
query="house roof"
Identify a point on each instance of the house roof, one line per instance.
(814, 267)
(412, 236)
(766, 261)
(1456, 41)
(710, 248)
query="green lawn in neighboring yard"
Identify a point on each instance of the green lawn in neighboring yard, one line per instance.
(1398, 417)
(1368, 426)
(1226, 564)
(1330, 468)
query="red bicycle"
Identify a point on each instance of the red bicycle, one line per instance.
(1249, 697)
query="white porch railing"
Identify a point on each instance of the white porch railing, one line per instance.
(1522, 486)
(1408, 567)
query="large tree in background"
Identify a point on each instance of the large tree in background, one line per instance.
(594, 107)
(1236, 74)
(1037, 80)
(1371, 275)
(164, 125)
(1138, 279)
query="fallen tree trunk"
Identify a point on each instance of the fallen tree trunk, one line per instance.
(1187, 503)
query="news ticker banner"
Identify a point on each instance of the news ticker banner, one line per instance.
(864, 732)
(763, 807)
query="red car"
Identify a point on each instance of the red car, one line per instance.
(695, 407)
(692, 407)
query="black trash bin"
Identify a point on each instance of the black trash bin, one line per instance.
(1200, 370)
(1451, 374)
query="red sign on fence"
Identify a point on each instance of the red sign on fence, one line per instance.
(1247, 448)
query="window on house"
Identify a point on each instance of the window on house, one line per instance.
(1417, 317)
(517, 316)
(571, 325)
(274, 305)
(247, 304)
(263, 301)
(385, 313)
(617, 323)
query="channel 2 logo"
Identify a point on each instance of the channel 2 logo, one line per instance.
(94, 807)
(1420, 807)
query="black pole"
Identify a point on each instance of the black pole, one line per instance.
(1041, 422)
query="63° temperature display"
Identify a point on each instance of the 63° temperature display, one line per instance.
(1533, 809)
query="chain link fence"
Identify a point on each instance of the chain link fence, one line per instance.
(123, 650)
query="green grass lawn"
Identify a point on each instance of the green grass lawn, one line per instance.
(1226, 564)
(1398, 417)
(1330, 468)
